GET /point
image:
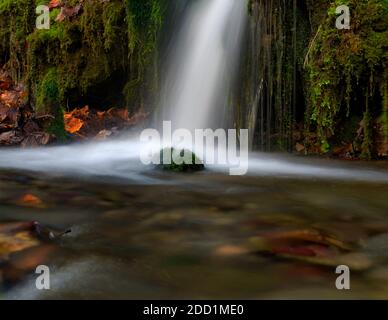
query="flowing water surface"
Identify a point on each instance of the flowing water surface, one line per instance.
(151, 234)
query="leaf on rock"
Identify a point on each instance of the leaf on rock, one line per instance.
(29, 200)
(55, 4)
(312, 236)
(10, 138)
(24, 262)
(16, 237)
(72, 124)
(46, 234)
(309, 246)
(9, 98)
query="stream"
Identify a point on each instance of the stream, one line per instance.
(150, 234)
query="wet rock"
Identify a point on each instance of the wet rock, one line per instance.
(46, 234)
(37, 139)
(104, 134)
(192, 165)
(10, 138)
(31, 127)
(25, 262)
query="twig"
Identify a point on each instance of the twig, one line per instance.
(310, 47)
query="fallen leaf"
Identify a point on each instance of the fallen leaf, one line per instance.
(24, 262)
(29, 200)
(312, 235)
(309, 246)
(10, 138)
(9, 98)
(231, 250)
(15, 237)
(73, 125)
(55, 4)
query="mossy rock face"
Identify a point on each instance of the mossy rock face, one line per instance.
(67, 64)
(194, 164)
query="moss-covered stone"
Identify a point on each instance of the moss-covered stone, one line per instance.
(193, 165)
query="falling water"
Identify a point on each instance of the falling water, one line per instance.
(200, 72)
(202, 65)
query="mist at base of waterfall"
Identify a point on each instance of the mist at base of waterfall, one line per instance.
(121, 159)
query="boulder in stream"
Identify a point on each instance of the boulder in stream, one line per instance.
(181, 160)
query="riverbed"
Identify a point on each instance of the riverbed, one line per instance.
(160, 235)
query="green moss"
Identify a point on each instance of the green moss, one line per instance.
(195, 164)
(57, 126)
(106, 38)
(17, 21)
(48, 101)
(341, 60)
(144, 19)
(49, 89)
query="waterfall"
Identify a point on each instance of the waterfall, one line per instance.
(267, 96)
(202, 63)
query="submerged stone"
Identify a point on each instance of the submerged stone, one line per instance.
(183, 161)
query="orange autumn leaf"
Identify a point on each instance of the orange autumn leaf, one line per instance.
(55, 4)
(73, 125)
(29, 200)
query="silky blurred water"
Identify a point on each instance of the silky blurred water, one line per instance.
(202, 63)
(162, 237)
